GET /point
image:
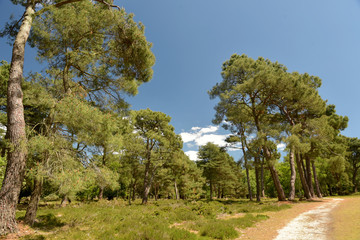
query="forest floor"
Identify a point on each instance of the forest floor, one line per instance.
(330, 218)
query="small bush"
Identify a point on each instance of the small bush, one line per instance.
(51, 197)
(219, 230)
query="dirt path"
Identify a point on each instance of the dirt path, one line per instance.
(268, 230)
(313, 224)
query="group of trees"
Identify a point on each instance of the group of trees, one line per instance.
(68, 132)
(263, 105)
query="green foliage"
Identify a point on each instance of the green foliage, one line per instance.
(219, 168)
(2, 168)
(219, 230)
(118, 220)
(98, 51)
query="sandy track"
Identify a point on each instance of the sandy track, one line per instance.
(268, 230)
(313, 224)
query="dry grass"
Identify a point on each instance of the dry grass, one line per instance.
(346, 220)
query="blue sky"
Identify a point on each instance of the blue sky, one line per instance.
(192, 38)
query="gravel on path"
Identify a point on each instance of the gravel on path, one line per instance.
(309, 225)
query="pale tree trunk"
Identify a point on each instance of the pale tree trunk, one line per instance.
(211, 190)
(101, 193)
(293, 175)
(16, 157)
(176, 190)
(246, 166)
(30, 215)
(262, 179)
(302, 177)
(257, 180)
(316, 181)
(309, 176)
(147, 182)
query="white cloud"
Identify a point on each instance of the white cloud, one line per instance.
(213, 138)
(281, 146)
(209, 129)
(193, 155)
(200, 136)
(188, 137)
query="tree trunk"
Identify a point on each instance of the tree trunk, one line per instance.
(257, 179)
(147, 187)
(130, 190)
(262, 179)
(101, 193)
(309, 176)
(274, 175)
(302, 177)
(147, 182)
(218, 191)
(248, 184)
(293, 175)
(134, 191)
(354, 180)
(30, 215)
(16, 157)
(176, 190)
(211, 190)
(246, 166)
(65, 201)
(316, 181)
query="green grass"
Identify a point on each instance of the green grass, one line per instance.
(117, 220)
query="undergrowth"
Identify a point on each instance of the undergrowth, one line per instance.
(164, 219)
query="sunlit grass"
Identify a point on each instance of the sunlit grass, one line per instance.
(164, 219)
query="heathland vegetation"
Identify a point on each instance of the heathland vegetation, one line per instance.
(68, 136)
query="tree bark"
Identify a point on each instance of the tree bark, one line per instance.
(257, 179)
(262, 179)
(129, 197)
(147, 182)
(211, 190)
(16, 156)
(248, 183)
(330, 190)
(316, 181)
(30, 215)
(101, 193)
(309, 176)
(246, 166)
(274, 175)
(293, 175)
(302, 177)
(176, 190)
(134, 191)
